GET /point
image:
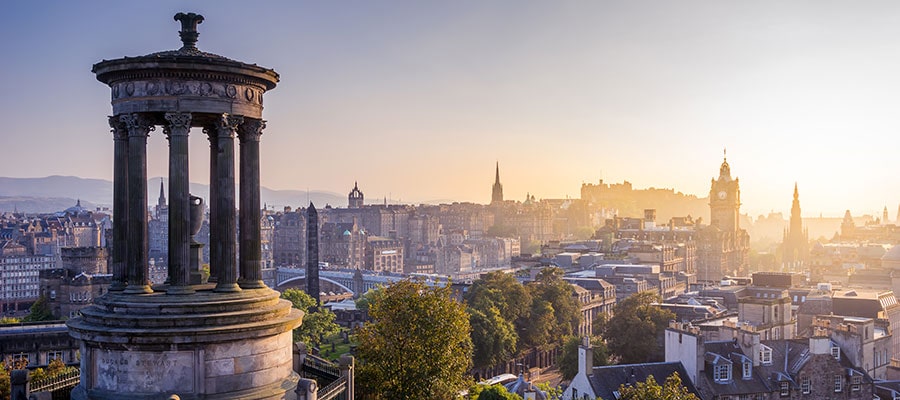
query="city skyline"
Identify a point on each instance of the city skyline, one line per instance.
(418, 101)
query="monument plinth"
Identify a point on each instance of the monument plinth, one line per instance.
(227, 339)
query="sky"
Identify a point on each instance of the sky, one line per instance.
(418, 100)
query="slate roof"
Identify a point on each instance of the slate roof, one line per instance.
(608, 379)
(737, 385)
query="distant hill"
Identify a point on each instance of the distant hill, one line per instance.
(56, 193)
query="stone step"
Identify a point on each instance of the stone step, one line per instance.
(260, 312)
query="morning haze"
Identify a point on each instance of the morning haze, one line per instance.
(418, 100)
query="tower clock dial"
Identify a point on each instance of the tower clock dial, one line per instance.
(722, 195)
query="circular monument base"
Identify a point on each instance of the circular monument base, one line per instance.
(208, 345)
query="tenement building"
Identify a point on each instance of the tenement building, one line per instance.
(229, 338)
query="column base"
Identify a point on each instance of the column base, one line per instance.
(138, 289)
(227, 288)
(257, 284)
(117, 286)
(180, 290)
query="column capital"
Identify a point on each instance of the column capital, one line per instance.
(226, 125)
(251, 130)
(179, 124)
(118, 129)
(137, 124)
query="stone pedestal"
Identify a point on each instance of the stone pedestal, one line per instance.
(197, 276)
(204, 346)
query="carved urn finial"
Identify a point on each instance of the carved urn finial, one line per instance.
(188, 30)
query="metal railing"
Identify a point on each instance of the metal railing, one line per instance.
(65, 380)
(333, 390)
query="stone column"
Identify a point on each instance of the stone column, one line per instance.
(120, 203)
(136, 268)
(226, 125)
(250, 248)
(179, 203)
(215, 256)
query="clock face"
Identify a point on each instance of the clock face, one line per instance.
(722, 195)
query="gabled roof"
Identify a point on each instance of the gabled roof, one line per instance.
(607, 380)
(729, 351)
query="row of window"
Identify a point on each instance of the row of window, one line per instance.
(838, 385)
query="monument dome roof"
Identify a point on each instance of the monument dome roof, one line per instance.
(188, 57)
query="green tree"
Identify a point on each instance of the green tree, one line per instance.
(417, 345)
(40, 311)
(568, 359)
(634, 332)
(369, 297)
(501, 290)
(492, 392)
(536, 332)
(317, 323)
(494, 338)
(553, 392)
(551, 288)
(672, 389)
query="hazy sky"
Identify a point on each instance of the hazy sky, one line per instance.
(419, 98)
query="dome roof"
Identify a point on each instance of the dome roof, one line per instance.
(892, 255)
(76, 209)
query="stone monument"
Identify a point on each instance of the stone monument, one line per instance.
(230, 339)
(312, 253)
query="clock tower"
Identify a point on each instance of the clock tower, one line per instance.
(725, 200)
(724, 247)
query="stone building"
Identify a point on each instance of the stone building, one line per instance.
(497, 189)
(745, 367)
(20, 276)
(384, 255)
(723, 246)
(355, 199)
(83, 276)
(39, 343)
(343, 244)
(795, 245)
(158, 229)
(289, 238)
(865, 342)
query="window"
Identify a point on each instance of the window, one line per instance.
(747, 370)
(785, 389)
(838, 381)
(805, 385)
(765, 354)
(722, 373)
(836, 352)
(856, 383)
(54, 355)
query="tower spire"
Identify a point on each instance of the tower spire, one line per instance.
(497, 190)
(162, 193)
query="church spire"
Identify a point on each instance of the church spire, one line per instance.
(162, 194)
(497, 190)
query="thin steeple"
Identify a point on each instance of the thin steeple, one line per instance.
(162, 193)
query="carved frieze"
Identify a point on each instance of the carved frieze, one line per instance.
(188, 88)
